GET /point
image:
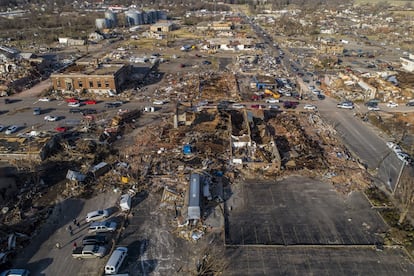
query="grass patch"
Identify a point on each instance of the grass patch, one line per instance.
(399, 234)
(373, 2)
(378, 198)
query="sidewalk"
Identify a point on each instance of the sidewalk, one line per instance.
(35, 90)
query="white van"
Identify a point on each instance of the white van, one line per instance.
(115, 261)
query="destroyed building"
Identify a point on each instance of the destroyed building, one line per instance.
(99, 78)
(251, 142)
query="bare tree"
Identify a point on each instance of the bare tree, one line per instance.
(212, 263)
(405, 193)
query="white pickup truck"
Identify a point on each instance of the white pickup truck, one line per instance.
(89, 251)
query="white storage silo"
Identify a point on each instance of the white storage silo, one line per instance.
(140, 18)
(111, 17)
(145, 18)
(131, 17)
(161, 15)
(101, 23)
(152, 16)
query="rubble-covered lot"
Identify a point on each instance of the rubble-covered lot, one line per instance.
(317, 261)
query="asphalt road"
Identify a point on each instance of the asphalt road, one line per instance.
(367, 143)
(20, 113)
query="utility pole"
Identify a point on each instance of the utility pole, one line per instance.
(398, 178)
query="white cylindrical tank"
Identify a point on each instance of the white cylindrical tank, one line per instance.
(132, 17)
(145, 18)
(161, 15)
(140, 18)
(152, 17)
(111, 17)
(101, 23)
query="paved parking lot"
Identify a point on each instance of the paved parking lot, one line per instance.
(317, 261)
(152, 247)
(301, 226)
(302, 211)
(42, 257)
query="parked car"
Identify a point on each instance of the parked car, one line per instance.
(274, 106)
(256, 106)
(374, 108)
(89, 251)
(113, 104)
(61, 129)
(289, 104)
(392, 104)
(410, 104)
(75, 110)
(206, 62)
(11, 129)
(2, 128)
(74, 104)
(102, 227)
(158, 102)
(37, 111)
(97, 215)
(44, 99)
(72, 100)
(397, 149)
(238, 106)
(272, 100)
(89, 102)
(390, 145)
(310, 107)
(15, 272)
(51, 118)
(88, 111)
(346, 105)
(94, 239)
(403, 156)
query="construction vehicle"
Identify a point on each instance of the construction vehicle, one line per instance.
(271, 93)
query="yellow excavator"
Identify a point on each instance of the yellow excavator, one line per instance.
(271, 93)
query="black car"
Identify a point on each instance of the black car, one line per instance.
(289, 104)
(410, 104)
(113, 104)
(94, 239)
(88, 111)
(321, 96)
(75, 110)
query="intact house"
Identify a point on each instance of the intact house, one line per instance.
(162, 27)
(99, 79)
(229, 44)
